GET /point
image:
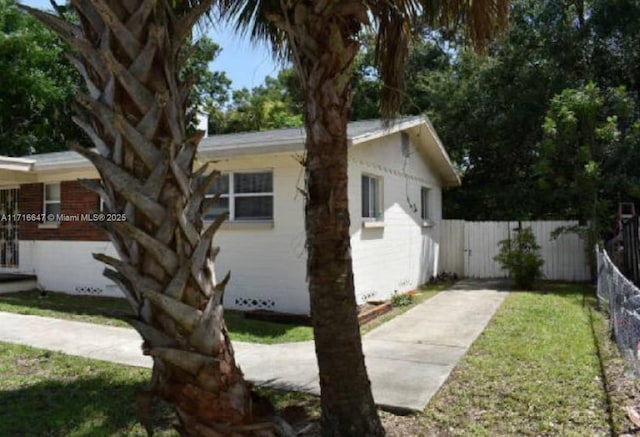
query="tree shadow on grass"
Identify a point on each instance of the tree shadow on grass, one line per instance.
(263, 331)
(111, 307)
(87, 406)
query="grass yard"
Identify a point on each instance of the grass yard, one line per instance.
(110, 311)
(91, 309)
(46, 393)
(534, 371)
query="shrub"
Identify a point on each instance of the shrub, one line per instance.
(400, 300)
(521, 259)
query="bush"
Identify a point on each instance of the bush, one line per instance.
(400, 300)
(521, 259)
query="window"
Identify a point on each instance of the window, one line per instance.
(248, 196)
(371, 197)
(424, 203)
(51, 200)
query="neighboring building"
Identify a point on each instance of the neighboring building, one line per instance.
(395, 180)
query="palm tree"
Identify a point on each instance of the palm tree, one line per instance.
(130, 53)
(321, 38)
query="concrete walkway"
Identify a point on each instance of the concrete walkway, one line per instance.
(408, 358)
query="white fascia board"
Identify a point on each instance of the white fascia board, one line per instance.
(16, 164)
(255, 148)
(394, 127)
(454, 177)
(75, 163)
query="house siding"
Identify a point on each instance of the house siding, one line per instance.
(402, 254)
(267, 260)
(267, 264)
(68, 266)
(75, 200)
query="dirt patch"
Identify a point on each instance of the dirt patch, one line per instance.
(395, 426)
(623, 388)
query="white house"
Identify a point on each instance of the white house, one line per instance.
(395, 178)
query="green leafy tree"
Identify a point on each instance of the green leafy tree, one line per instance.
(210, 91)
(616, 43)
(425, 59)
(490, 111)
(587, 154)
(38, 85)
(268, 106)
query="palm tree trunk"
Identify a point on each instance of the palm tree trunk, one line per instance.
(130, 54)
(325, 53)
(348, 408)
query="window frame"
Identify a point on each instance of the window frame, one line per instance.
(46, 201)
(378, 214)
(231, 195)
(425, 207)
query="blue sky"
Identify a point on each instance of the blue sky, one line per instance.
(246, 64)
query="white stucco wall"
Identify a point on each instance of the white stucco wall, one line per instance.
(68, 266)
(403, 253)
(268, 261)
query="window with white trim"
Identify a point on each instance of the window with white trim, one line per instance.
(371, 197)
(248, 196)
(424, 203)
(51, 199)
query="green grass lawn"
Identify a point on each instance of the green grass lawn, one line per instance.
(91, 309)
(50, 394)
(534, 371)
(110, 311)
(46, 393)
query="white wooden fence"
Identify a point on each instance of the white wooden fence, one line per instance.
(468, 248)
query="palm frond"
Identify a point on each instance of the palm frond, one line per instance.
(259, 19)
(395, 23)
(393, 20)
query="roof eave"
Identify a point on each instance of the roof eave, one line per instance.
(16, 164)
(394, 127)
(234, 150)
(432, 144)
(78, 163)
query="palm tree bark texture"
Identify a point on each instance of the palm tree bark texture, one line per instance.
(129, 53)
(324, 45)
(321, 38)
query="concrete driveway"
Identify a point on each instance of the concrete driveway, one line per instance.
(408, 358)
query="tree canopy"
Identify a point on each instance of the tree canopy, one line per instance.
(38, 86)
(492, 112)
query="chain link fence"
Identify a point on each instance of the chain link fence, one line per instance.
(621, 299)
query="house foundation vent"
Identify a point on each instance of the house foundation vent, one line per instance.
(366, 296)
(89, 290)
(255, 303)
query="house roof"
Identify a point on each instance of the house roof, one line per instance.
(273, 141)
